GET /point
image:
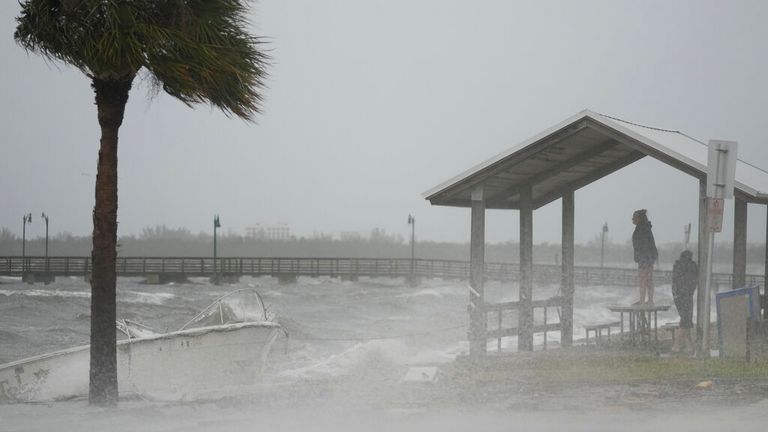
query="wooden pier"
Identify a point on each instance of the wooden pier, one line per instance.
(167, 269)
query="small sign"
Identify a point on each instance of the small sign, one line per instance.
(721, 168)
(734, 309)
(715, 214)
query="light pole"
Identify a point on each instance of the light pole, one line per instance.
(412, 223)
(45, 218)
(216, 224)
(602, 245)
(27, 218)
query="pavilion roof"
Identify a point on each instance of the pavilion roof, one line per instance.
(578, 151)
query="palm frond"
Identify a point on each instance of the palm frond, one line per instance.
(198, 51)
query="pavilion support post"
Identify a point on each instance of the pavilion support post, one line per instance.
(566, 283)
(477, 318)
(525, 316)
(739, 243)
(703, 241)
(765, 269)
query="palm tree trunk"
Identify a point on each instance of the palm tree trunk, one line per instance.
(111, 97)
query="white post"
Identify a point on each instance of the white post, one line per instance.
(721, 170)
(707, 297)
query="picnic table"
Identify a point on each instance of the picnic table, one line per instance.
(642, 322)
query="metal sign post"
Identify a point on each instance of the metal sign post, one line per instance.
(721, 172)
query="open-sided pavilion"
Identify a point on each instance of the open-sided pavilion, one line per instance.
(553, 165)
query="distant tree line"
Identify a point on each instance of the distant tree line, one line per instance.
(180, 242)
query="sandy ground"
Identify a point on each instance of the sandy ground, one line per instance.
(630, 408)
(461, 398)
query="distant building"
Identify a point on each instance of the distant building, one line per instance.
(339, 235)
(319, 235)
(350, 235)
(278, 231)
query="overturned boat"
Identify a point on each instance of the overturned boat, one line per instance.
(221, 351)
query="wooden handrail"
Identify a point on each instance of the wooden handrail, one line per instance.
(375, 267)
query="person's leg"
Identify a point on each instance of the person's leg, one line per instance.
(641, 294)
(643, 280)
(685, 336)
(677, 334)
(688, 345)
(649, 284)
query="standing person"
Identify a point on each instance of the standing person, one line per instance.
(645, 254)
(685, 277)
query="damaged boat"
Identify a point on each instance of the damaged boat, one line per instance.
(221, 351)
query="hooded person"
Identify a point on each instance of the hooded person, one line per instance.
(645, 254)
(685, 278)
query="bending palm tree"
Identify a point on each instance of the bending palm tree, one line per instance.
(195, 50)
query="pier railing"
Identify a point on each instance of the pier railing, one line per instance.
(333, 267)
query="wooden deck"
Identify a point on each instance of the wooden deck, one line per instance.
(331, 267)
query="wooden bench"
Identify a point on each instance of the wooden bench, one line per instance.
(598, 330)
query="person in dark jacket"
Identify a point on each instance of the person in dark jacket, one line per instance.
(685, 278)
(645, 254)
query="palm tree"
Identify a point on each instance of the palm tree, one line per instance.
(195, 50)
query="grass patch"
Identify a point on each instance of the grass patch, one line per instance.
(611, 367)
(642, 368)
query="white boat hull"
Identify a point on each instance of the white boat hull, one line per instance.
(184, 365)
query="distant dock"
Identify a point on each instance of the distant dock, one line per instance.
(170, 269)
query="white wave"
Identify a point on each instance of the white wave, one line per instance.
(321, 280)
(369, 356)
(156, 298)
(430, 356)
(46, 293)
(199, 280)
(345, 361)
(593, 315)
(429, 292)
(10, 278)
(450, 290)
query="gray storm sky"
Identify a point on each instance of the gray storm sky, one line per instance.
(371, 103)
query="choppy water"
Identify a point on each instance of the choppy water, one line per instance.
(350, 345)
(332, 324)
